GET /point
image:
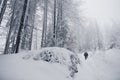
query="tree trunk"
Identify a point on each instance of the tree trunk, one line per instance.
(0, 3)
(21, 26)
(10, 32)
(54, 24)
(15, 24)
(29, 25)
(2, 9)
(43, 42)
(59, 22)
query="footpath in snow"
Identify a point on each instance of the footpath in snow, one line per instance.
(101, 66)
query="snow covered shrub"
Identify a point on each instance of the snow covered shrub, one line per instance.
(57, 55)
(73, 67)
(62, 56)
(54, 54)
(48, 56)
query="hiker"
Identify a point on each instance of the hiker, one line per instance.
(86, 55)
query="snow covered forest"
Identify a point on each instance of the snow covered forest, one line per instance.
(56, 40)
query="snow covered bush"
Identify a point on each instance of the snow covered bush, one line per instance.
(57, 55)
(46, 55)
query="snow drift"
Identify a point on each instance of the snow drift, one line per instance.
(33, 65)
(53, 55)
(45, 64)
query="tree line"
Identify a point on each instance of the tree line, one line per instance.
(22, 19)
(62, 25)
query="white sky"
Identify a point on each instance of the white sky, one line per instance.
(104, 11)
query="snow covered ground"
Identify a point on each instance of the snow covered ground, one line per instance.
(13, 67)
(103, 65)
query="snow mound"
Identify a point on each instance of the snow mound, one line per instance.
(45, 64)
(57, 55)
(54, 55)
(13, 67)
(102, 65)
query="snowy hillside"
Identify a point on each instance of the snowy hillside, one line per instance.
(20, 69)
(100, 66)
(27, 66)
